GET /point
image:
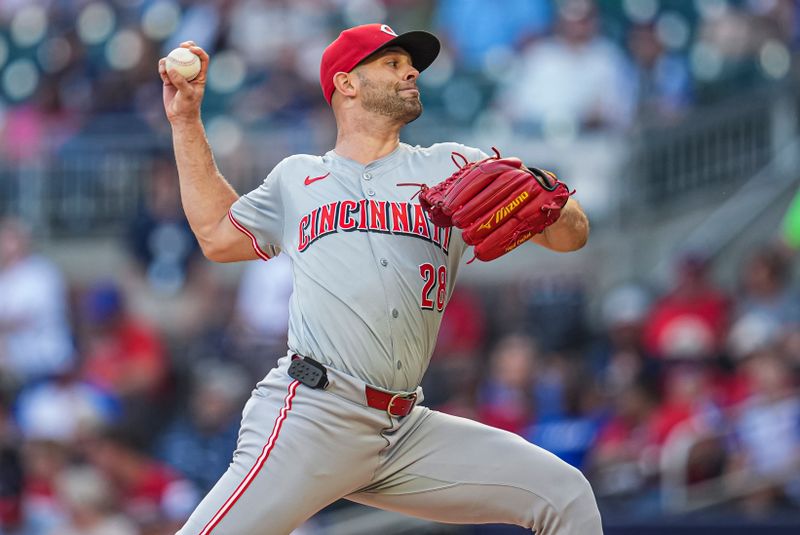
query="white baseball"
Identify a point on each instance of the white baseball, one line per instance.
(185, 62)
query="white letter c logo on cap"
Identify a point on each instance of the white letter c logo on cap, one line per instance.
(386, 29)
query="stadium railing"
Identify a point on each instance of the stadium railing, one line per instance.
(717, 148)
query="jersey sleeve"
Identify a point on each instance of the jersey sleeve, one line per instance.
(259, 215)
(472, 153)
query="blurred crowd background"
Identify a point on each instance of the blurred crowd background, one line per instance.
(662, 361)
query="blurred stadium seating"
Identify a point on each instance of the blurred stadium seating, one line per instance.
(663, 359)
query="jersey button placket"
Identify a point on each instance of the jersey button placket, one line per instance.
(369, 191)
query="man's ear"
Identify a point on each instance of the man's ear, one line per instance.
(344, 82)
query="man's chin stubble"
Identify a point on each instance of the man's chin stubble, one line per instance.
(405, 113)
(414, 113)
(412, 110)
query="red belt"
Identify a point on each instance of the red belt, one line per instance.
(396, 405)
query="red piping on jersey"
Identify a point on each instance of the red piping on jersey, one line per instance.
(261, 254)
(251, 475)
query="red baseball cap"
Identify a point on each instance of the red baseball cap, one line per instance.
(356, 44)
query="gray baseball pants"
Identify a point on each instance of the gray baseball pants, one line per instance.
(301, 449)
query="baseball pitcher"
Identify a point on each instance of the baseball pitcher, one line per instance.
(374, 261)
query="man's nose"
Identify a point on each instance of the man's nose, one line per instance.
(412, 74)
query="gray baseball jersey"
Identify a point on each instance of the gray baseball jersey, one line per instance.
(372, 276)
(372, 273)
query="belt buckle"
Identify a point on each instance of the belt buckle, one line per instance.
(412, 397)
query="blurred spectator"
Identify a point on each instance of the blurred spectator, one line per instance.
(199, 444)
(151, 494)
(766, 288)
(170, 282)
(736, 46)
(572, 434)
(768, 434)
(688, 397)
(297, 24)
(122, 353)
(784, 16)
(90, 504)
(64, 409)
(159, 236)
(260, 320)
(478, 35)
(691, 320)
(618, 354)
(44, 460)
(624, 456)
(39, 127)
(751, 333)
(201, 22)
(733, 57)
(575, 81)
(35, 339)
(790, 348)
(664, 84)
(565, 103)
(507, 396)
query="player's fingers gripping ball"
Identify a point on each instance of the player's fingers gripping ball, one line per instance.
(498, 203)
(185, 62)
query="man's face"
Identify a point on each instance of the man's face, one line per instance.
(388, 85)
(13, 242)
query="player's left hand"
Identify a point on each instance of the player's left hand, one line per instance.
(498, 203)
(182, 98)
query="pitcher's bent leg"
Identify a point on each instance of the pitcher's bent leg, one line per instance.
(278, 478)
(455, 470)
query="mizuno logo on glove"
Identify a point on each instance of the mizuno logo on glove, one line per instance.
(506, 210)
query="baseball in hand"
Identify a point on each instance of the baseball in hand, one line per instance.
(185, 62)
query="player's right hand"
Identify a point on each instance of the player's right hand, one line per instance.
(182, 98)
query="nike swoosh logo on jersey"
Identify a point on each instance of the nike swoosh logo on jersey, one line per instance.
(310, 180)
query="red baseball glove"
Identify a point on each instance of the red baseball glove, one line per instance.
(497, 202)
